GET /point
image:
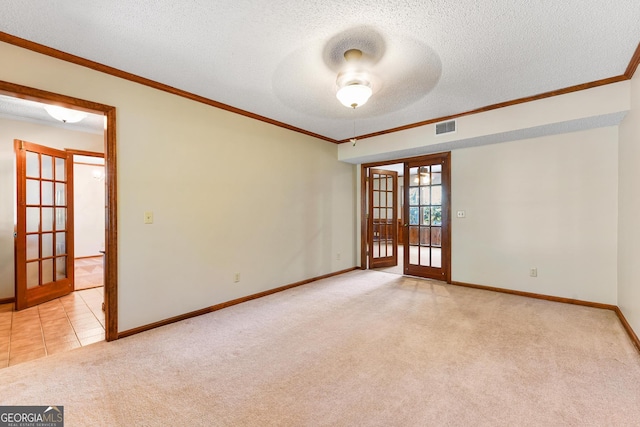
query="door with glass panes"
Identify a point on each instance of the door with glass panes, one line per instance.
(44, 230)
(383, 218)
(427, 237)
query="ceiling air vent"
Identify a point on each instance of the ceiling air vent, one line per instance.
(445, 127)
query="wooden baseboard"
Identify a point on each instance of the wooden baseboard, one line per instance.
(538, 296)
(220, 306)
(89, 256)
(7, 300)
(627, 327)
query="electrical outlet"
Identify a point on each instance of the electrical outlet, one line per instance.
(533, 272)
(338, 256)
(461, 214)
(236, 278)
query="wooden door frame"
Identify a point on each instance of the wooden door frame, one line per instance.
(72, 152)
(111, 234)
(363, 206)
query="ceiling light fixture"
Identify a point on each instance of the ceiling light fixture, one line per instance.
(65, 115)
(354, 87)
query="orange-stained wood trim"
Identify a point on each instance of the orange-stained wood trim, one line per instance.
(227, 304)
(7, 300)
(111, 266)
(363, 218)
(58, 54)
(633, 64)
(537, 296)
(550, 94)
(89, 256)
(111, 226)
(38, 95)
(84, 153)
(627, 327)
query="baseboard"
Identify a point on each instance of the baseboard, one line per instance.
(627, 327)
(220, 306)
(89, 256)
(538, 296)
(7, 300)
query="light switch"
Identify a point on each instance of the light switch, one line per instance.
(461, 214)
(148, 217)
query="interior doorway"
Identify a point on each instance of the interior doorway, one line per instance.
(110, 245)
(415, 222)
(89, 214)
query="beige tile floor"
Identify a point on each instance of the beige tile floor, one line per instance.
(62, 324)
(88, 272)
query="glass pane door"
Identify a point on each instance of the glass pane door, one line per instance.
(42, 253)
(383, 218)
(427, 251)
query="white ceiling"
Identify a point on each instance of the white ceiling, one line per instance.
(21, 109)
(280, 59)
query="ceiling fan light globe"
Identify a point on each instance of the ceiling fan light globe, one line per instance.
(354, 95)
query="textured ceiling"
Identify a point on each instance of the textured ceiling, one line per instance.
(21, 109)
(279, 59)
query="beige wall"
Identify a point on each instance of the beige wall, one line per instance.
(229, 195)
(629, 211)
(44, 135)
(548, 203)
(595, 107)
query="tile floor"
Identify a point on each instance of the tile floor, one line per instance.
(88, 272)
(65, 323)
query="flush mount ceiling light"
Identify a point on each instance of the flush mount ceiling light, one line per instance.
(65, 115)
(354, 86)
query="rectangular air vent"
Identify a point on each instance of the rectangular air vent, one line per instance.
(445, 127)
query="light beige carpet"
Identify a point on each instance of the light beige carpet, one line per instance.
(362, 349)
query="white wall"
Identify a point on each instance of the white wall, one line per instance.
(229, 195)
(629, 211)
(88, 205)
(44, 135)
(549, 203)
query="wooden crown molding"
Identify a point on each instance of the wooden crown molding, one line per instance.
(550, 94)
(628, 74)
(58, 54)
(633, 64)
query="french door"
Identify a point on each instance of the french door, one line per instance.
(383, 218)
(427, 215)
(44, 232)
